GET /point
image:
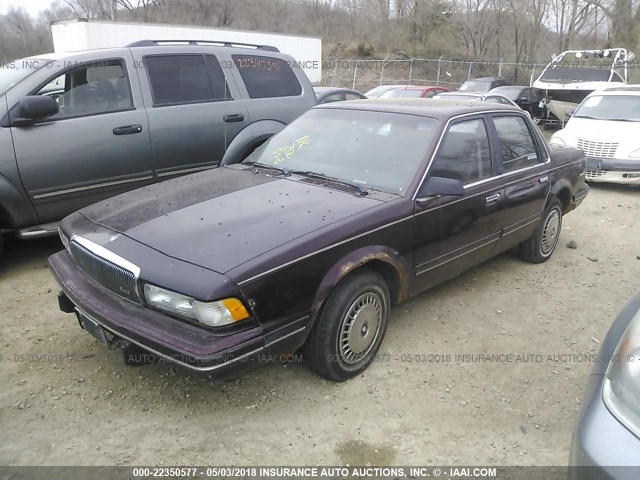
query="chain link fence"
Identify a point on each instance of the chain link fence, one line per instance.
(362, 75)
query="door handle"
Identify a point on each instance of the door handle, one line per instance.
(236, 117)
(544, 179)
(127, 129)
(492, 198)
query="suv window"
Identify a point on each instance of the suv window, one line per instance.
(517, 147)
(464, 154)
(267, 77)
(90, 89)
(178, 79)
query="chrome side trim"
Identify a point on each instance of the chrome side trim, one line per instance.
(291, 262)
(38, 196)
(180, 362)
(37, 231)
(467, 252)
(108, 255)
(520, 226)
(185, 170)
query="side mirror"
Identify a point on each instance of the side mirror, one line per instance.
(569, 113)
(441, 186)
(34, 108)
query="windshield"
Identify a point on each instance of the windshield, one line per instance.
(578, 74)
(402, 93)
(610, 107)
(376, 150)
(15, 71)
(475, 86)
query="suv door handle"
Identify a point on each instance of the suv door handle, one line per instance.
(492, 198)
(236, 117)
(127, 129)
(544, 179)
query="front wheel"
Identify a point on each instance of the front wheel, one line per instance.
(540, 246)
(350, 327)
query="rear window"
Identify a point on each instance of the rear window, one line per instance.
(267, 77)
(178, 79)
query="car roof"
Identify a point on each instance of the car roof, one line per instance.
(624, 90)
(508, 87)
(414, 87)
(427, 107)
(332, 89)
(488, 79)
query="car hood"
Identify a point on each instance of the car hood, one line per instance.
(607, 131)
(222, 218)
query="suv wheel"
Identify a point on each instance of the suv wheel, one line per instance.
(350, 327)
(542, 243)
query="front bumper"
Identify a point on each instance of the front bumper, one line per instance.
(613, 170)
(188, 345)
(602, 448)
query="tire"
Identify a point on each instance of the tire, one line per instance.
(541, 245)
(350, 327)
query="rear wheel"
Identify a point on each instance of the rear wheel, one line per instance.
(350, 327)
(541, 245)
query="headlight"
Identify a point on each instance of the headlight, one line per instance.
(557, 141)
(635, 154)
(214, 314)
(63, 238)
(621, 391)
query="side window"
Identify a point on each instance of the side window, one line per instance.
(267, 77)
(353, 96)
(178, 79)
(430, 93)
(90, 89)
(464, 154)
(517, 147)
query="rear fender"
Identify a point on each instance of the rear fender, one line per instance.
(249, 138)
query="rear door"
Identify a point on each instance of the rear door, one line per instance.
(96, 146)
(523, 164)
(194, 109)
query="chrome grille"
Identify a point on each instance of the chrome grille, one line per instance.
(109, 275)
(595, 173)
(597, 149)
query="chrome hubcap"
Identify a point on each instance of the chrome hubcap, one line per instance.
(551, 232)
(360, 327)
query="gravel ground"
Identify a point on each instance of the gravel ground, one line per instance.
(66, 400)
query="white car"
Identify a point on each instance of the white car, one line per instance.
(606, 126)
(480, 97)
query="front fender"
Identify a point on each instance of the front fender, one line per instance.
(15, 205)
(382, 259)
(249, 138)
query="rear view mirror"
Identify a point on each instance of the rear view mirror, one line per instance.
(34, 108)
(441, 186)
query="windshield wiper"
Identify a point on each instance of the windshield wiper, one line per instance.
(283, 171)
(622, 120)
(322, 176)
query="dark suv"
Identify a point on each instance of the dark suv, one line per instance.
(80, 127)
(484, 84)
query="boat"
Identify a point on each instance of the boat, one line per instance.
(574, 74)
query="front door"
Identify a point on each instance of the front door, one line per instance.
(96, 146)
(454, 233)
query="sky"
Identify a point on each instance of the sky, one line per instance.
(33, 7)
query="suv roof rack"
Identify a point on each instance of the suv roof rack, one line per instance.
(155, 43)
